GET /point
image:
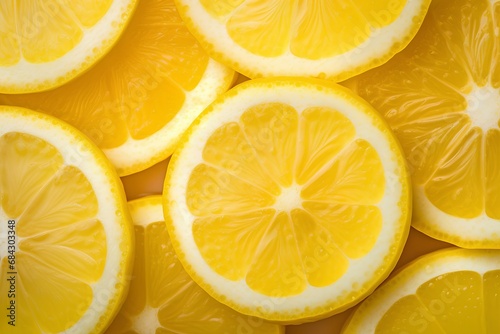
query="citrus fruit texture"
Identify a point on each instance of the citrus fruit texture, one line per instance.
(449, 291)
(163, 298)
(328, 39)
(66, 239)
(288, 199)
(441, 97)
(46, 43)
(137, 101)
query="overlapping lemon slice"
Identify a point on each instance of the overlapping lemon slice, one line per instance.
(451, 291)
(163, 298)
(66, 238)
(322, 38)
(441, 96)
(46, 43)
(288, 199)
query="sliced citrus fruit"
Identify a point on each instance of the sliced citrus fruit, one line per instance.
(46, 43)
(288, 199)
(451, 291)
(163, 298)
(138, 100)
(441, 96)
(66, 238)
(324, 38)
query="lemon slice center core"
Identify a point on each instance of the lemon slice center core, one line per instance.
(289, 199)
(483, 107)
(147, 321)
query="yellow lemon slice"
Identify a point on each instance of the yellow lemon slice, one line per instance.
(46, 43)
(323, 38)
(66, 238)
(163, 298)
(138, 100)
(441, 96)
(452, 291)
(288, 199)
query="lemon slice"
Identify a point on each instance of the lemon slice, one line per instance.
(288, 199)
(163, 298)
(441, 96)
(451, 291)
(324, 38)
(44, 44)
(66, 238)
(137, 101)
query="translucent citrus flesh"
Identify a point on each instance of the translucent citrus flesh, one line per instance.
(441, 96)
(42, 31)
(164, 299)
(282, 185)
(447, 291)
(137, 88)
(10, 52)
(55, 212)
(273, 28)
(457, 302)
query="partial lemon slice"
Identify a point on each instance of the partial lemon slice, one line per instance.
(323, 38)
(288, 199)
(143, 95)
(441, 96)
(66, 238)
(44, 44)
(451, 291)
(163, 298)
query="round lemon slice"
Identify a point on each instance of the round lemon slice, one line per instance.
(441, 96)
(322, 38)
(163, 298)
(139, 99)
(450, 291)
(46, 43)
(66, 238)
(288, 199)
